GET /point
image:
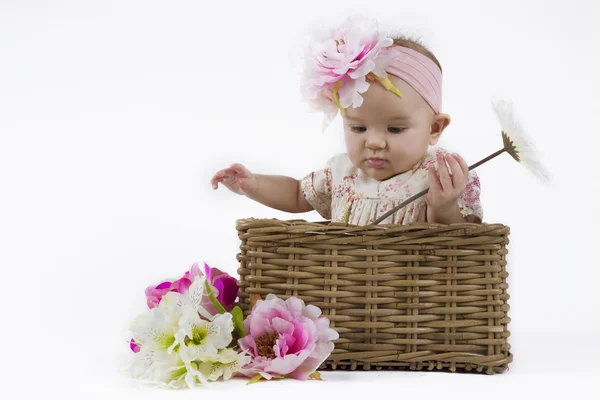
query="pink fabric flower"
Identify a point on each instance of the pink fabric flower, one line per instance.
(344, 57)
(286, 338)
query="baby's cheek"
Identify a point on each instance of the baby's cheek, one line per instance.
(403, 147)
(354, 145)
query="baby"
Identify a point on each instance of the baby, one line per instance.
(389, 94)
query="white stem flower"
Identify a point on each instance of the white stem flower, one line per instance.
(199, 339)
(224, 364)
(175, 342)
(157, 366)
(155, 330)
(522, 149)
(175, 303)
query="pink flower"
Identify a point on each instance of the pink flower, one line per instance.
(286, 338)
(222, 284)
(338, 62)
(225, 285)
(134, 347)
(154, 294)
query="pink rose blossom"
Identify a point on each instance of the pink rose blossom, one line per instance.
(286, 338)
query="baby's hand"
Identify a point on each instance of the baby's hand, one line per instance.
(235, 178)
(445, 189)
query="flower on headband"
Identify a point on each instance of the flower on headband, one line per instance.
(339, 63)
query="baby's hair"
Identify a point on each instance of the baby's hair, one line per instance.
(416, 45)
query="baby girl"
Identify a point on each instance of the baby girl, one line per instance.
(388, 92)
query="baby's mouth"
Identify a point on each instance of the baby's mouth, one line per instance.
(376, 162)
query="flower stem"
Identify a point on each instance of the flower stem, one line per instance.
(213, 299)
(423, 192)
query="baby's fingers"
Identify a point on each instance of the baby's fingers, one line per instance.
(220, 176)
(435, 186)
(241, 170)
(456, 168)
(463, 164)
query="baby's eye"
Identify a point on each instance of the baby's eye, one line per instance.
(359, 129)
(395, 129)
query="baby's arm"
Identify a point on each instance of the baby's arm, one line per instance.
(448, 215)
(279, 192)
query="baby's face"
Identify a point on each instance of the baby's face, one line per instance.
(388, 135)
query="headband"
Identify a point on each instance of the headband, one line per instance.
(420, 72)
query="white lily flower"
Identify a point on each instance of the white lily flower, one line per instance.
(224, 364)
(154, 365)
(175, 341)
(200, 339)
(155, 330)
(169, 370)
(175, 303)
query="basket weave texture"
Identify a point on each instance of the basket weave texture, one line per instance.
(420, 296)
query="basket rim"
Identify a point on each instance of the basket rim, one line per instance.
(273, 225)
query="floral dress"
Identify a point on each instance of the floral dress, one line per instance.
(343, 193)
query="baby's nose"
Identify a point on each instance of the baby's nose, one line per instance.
(375, 140)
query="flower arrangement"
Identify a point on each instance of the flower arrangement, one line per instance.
(193, 332)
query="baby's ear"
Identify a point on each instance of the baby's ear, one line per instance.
(438, 124)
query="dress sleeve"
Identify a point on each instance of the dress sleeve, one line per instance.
(469, 202)
(316, 188)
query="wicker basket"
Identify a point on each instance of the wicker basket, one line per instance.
(400, 296)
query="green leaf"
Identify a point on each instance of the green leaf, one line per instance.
(255, 379)
(387, 83)
(213, 299)
(336, 99)
(238, 321)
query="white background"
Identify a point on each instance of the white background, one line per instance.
(115, 114)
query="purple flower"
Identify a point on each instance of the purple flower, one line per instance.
(225, 285)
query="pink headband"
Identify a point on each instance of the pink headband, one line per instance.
(420, 72)
(339, 63)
